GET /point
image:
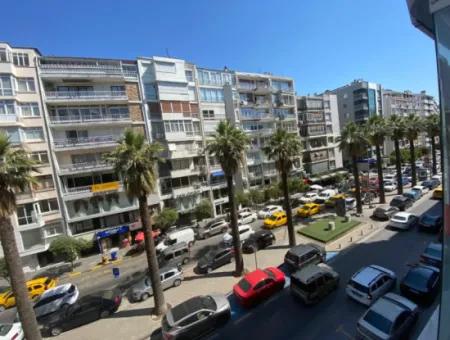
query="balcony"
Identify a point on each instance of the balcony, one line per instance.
(88, 190)
(262, 88)
(66, 169)
(90, 119)
(184, 152)
(85, 96)
(29, 222)
(85, 142)
(185, 172)
(247, 115)
(189, 190)
(180, 136)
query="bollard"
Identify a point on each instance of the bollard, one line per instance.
(351, 239)
(362, 232)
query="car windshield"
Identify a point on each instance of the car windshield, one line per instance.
(378, 321)
(273, 217)
(427, 219)
(244, 285)
(417, 278)
(433, 252)
(49, 299)
(4, 329)
(400, 218)
(269, 273)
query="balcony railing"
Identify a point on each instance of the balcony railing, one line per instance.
(86, 95)
(8, 118)
(63, 168)
(90, 118)
(82, 68)
(94, 140)
(95, 188)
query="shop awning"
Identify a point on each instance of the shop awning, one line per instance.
(113, 231)
(217, 173)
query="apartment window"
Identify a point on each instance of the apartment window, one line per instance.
(178, 126)
(34, 134)
(6, 88)
(191, 92)
(211, 95)
(166, 67)
(208, 114)
(7, 107)
(118, 89)
(53, 230)
(196, 126)
(25, 85)
(189, 75)
(44, 183)
(26, 214)
(157, 130)
(30, 110)
(13, 134)
(179, 164)
(40, 156)
(3, 56)
(150, 91)
(49, 205)
(281, 85)
(21, 59)
(118, 110)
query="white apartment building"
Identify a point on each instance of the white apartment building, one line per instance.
(318, 118)
(38, 219)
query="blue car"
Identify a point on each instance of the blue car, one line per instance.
(431, 183)
(405, 181)
(412, 194)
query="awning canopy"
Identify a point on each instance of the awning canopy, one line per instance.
(217, 173)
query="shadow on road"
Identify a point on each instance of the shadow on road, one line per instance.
(210, 275)
(133, 312)
(280, 246)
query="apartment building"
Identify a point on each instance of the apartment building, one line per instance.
(88, 105)
(318, 118)
(37, 219)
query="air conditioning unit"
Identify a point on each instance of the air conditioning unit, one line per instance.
(243, 102)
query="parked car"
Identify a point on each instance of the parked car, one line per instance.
(304, 254)
(308, 197)
(437, 178)
(215, 258)
(420, 189)
(55, 299)
(431, 183)
(384, 212)
(196, 317)
(35, 288)
(401, 202)
(413, 195)
(389, 185)
(421, 284)
(391, 317)
(269, 210)
(258, 285)
(430, 223)
(331, 202)
(324, 195)
(405, 181)
(277, 219)
(308, 210)
(142, 290)
(245, 210)
(247, 217)
(432, 255)
(437, 193)
(174, 256)
(389, 177)
(314, 282)
(11, 331)
(85, 310)
(369, 283)
(259, 240)
(183, 235)
(245, 231)
(403, 220)
(214, 227)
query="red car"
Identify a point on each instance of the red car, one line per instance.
(258, 285)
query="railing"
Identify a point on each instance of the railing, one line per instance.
(69, 142)
(77, 190)
(8, 118)
(86, 68)
(83, 166)
(89, 118)
(70, 95)
(101, 187)
(254, 115)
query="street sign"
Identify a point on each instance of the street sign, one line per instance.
(116, 272)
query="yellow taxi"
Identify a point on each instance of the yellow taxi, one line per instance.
(331, 202)
(35, 288)
(277, 219)
(308, 210)
(437, 193)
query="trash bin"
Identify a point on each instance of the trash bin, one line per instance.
(114, 253)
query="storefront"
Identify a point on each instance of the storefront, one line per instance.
(113, 237)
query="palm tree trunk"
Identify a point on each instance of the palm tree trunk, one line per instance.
(412, 155)
(19, 288)
(287, 205)
(357, 185)
(380, 174)
(234, 228)
(398, 165)
(153, 268)
(433, 155)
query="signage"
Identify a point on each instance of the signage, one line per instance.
(135, 225)
(110, 186)
(113, 231)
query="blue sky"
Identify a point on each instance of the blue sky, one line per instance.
(322, 44)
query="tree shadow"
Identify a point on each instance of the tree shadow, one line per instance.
(210, 275)
(133, 312)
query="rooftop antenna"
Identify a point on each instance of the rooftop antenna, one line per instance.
(167, 53)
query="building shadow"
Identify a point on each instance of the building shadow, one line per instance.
(210, 275)
(133, 312)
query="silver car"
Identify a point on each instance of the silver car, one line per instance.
(142, 290)
(391, 317)
(214, 227)
(385, 212)
(196, 317)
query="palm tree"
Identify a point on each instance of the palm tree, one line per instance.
(282, 148)
(135, 161)
(227, 146)
(15, 174)
(376, 131)
(397, 132)
(414, 125)
(433, 129)
(353, 141)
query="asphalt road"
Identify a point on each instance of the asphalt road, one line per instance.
(282, 317)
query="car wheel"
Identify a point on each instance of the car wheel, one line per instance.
(55, 331)
(104, 314)
(185, 260)
(190, 244)
(209, 270)
(177, 282)
(145, 296)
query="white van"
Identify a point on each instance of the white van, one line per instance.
(325, 195)
(184, 235)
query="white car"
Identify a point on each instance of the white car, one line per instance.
(245, 231)
(421, 189)
(269, 210)
(389, 177)
(324, 196)
(389, 185)
(309, 197)
(11, 331)
(403, 220)
(55, 299)
(247, 217)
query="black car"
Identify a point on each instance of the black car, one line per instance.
(431, 183)
(430, 223)
(401, 202)
(421, 284)
(85, 310)
(432, 255)
(259, 240)
(215, 258)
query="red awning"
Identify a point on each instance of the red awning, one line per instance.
(139, 237)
